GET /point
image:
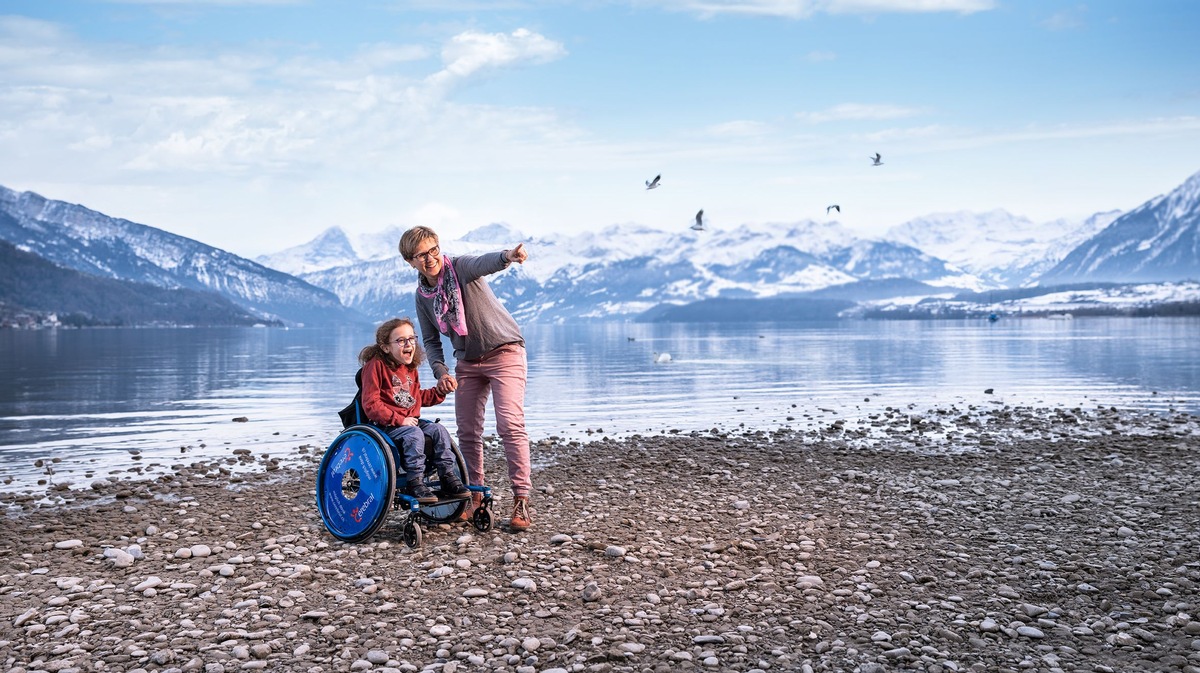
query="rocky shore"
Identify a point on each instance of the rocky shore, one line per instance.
(968, 540)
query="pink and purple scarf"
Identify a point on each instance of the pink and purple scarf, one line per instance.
(447, 300)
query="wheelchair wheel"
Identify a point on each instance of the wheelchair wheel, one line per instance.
(356, 484)
(412, 534)
(484, 519)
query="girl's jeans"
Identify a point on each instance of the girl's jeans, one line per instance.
(411, 441)
(502, 373)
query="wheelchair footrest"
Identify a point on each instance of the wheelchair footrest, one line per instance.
(412, 504)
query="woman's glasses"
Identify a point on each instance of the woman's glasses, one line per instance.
(405, 341)
(425, 256)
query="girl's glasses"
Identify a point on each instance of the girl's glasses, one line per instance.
(405, 341)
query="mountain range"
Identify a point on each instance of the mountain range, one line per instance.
(626, 270)
(76, 238)
(1158, 240)
(793, 270)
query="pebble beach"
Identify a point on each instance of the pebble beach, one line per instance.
(966, 539)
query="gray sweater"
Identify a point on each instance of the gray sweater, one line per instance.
(489, 324)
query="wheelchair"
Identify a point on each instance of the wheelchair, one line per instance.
(361, 479)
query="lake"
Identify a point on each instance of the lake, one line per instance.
(94, 397)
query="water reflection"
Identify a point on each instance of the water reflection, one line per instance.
(93, 396)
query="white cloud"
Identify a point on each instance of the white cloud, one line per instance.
(254, 110)
(27, 31)
(802, 9)
(1156, 127)
(382, 55)
(857, 112)
(941, 139)
(1066, 19)
(207, 3)
(907, 6)
(434, 215)
(472, 53)
(739, 129)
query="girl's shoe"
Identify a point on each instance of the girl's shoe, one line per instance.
(453, 488)
(421, 492)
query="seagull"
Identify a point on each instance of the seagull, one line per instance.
(876, 159)
(833, 207)
(651, 184)
(662, 358)
(699, 225)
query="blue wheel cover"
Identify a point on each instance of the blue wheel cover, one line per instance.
(350, 517)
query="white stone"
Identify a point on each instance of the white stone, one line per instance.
(635, 648)
(1030, 632)
(148, 583)
(119, 557)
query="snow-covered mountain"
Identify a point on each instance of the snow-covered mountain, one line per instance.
(74, 237)
(1157, 241)
(1003, 249)
(332, 248)
(329, 249)
(626, 269)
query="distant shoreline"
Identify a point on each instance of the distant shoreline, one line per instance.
(1170, 310)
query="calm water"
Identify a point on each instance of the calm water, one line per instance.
(91, 397)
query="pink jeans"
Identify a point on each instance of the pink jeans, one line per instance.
(502, 372)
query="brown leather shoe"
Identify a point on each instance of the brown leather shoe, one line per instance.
(471, 506)
(520, 515)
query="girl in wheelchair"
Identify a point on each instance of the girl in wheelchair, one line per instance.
(392, 399)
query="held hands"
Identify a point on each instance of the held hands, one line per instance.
(518, 254)
(447, 385)
(408, 420)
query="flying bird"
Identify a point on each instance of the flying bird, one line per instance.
(699, 225)
(651, 184)
(876, 159)
(833, 207)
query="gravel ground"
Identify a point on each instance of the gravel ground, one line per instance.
(965, 539)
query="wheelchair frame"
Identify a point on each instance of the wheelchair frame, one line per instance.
(361, 479)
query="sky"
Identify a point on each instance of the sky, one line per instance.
(254, 125)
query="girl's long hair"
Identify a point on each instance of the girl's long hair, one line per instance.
(378, 349)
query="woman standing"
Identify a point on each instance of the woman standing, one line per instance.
(454, 299)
